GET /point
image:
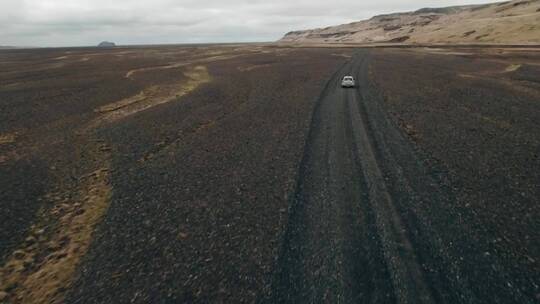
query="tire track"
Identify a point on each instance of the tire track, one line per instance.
(331, 251)
(345, 241)
(406, 273)
(458, 267)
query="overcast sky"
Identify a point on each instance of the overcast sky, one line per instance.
(87, 22)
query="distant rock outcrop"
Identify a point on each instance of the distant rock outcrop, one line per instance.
(511, 22)
(107, 44)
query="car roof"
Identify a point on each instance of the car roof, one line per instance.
(348, 77)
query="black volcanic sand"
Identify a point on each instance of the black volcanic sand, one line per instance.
(200, 184)
(45, 96)
(205, 187)
(475, 117)
(200, 204)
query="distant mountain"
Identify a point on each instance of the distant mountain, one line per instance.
(512, 22)
(5, 47)
(106, 44)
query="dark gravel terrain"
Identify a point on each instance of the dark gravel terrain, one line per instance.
(245, 173)
(199, 213)
(379, 217)
(476, 118)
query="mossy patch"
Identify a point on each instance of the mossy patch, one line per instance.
(152, 96)
(42, 268)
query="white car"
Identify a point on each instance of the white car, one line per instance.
(347, 82)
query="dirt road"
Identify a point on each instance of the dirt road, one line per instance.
(369, 224)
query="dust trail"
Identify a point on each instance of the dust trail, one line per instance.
(406, 273)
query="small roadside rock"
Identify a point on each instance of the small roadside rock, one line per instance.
(30, 240)
(18, 254)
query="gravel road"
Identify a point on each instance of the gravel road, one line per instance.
(370, 223)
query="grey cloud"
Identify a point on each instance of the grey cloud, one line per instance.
(86, 22)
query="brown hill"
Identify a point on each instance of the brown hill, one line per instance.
(512, 22)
